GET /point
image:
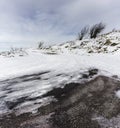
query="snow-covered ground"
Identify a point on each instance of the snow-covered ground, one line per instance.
(61, 64)
(36, 62)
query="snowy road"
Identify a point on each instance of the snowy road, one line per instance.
(24, 94)
(92, 104)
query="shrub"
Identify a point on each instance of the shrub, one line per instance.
(83, 32)
(40, 45)
(114, 44)
(96, 29)
(108, 42)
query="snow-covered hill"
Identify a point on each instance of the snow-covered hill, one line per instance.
(32, 72)
(106, 43)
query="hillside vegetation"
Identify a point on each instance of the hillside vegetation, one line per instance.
(106, 43)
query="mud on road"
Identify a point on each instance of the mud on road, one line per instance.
(92, 104)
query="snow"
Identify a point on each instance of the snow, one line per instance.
(60, 64)
(37, 62)
(118, 93)
(114, 122)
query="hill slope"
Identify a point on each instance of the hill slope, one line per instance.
(107, 43)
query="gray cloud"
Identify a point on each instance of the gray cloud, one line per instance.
(53, 20)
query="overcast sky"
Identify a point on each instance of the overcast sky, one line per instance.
(53, 20)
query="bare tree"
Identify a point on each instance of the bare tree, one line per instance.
(83, 32)
(96, 29)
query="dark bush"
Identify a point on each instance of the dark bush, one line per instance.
(96, 29)
(40, 45)
(83, 32)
